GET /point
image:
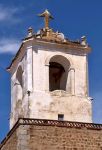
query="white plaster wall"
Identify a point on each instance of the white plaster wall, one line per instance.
(40, 74)
(41, 103)
(19, 107)
(75, 107)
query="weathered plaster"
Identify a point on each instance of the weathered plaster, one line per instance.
(37, 101)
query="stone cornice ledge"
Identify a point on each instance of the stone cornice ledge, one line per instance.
(45, 122)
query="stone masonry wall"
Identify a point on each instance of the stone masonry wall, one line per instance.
(11, 143)
(54, 135)
(62, 138)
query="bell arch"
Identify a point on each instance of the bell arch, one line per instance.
(47, 60)
(59, 73)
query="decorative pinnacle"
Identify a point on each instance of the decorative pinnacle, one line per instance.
(30, 31)
(47, 16)
(83, 40)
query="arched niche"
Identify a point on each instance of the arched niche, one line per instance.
(19, 83)
(59, 76)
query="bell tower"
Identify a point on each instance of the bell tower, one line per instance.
(49, 77)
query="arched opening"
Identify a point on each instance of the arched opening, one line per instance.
(19, 83)
(58, 73)
(55, 75)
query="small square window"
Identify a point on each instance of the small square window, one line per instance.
(60, 117)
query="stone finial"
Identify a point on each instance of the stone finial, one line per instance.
(47, 16)
(30, 32)
(83, 41)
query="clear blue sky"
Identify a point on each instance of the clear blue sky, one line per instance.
(74, 18)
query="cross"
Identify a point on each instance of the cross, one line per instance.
(47, 16)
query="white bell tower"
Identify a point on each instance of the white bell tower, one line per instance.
(49, 77)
